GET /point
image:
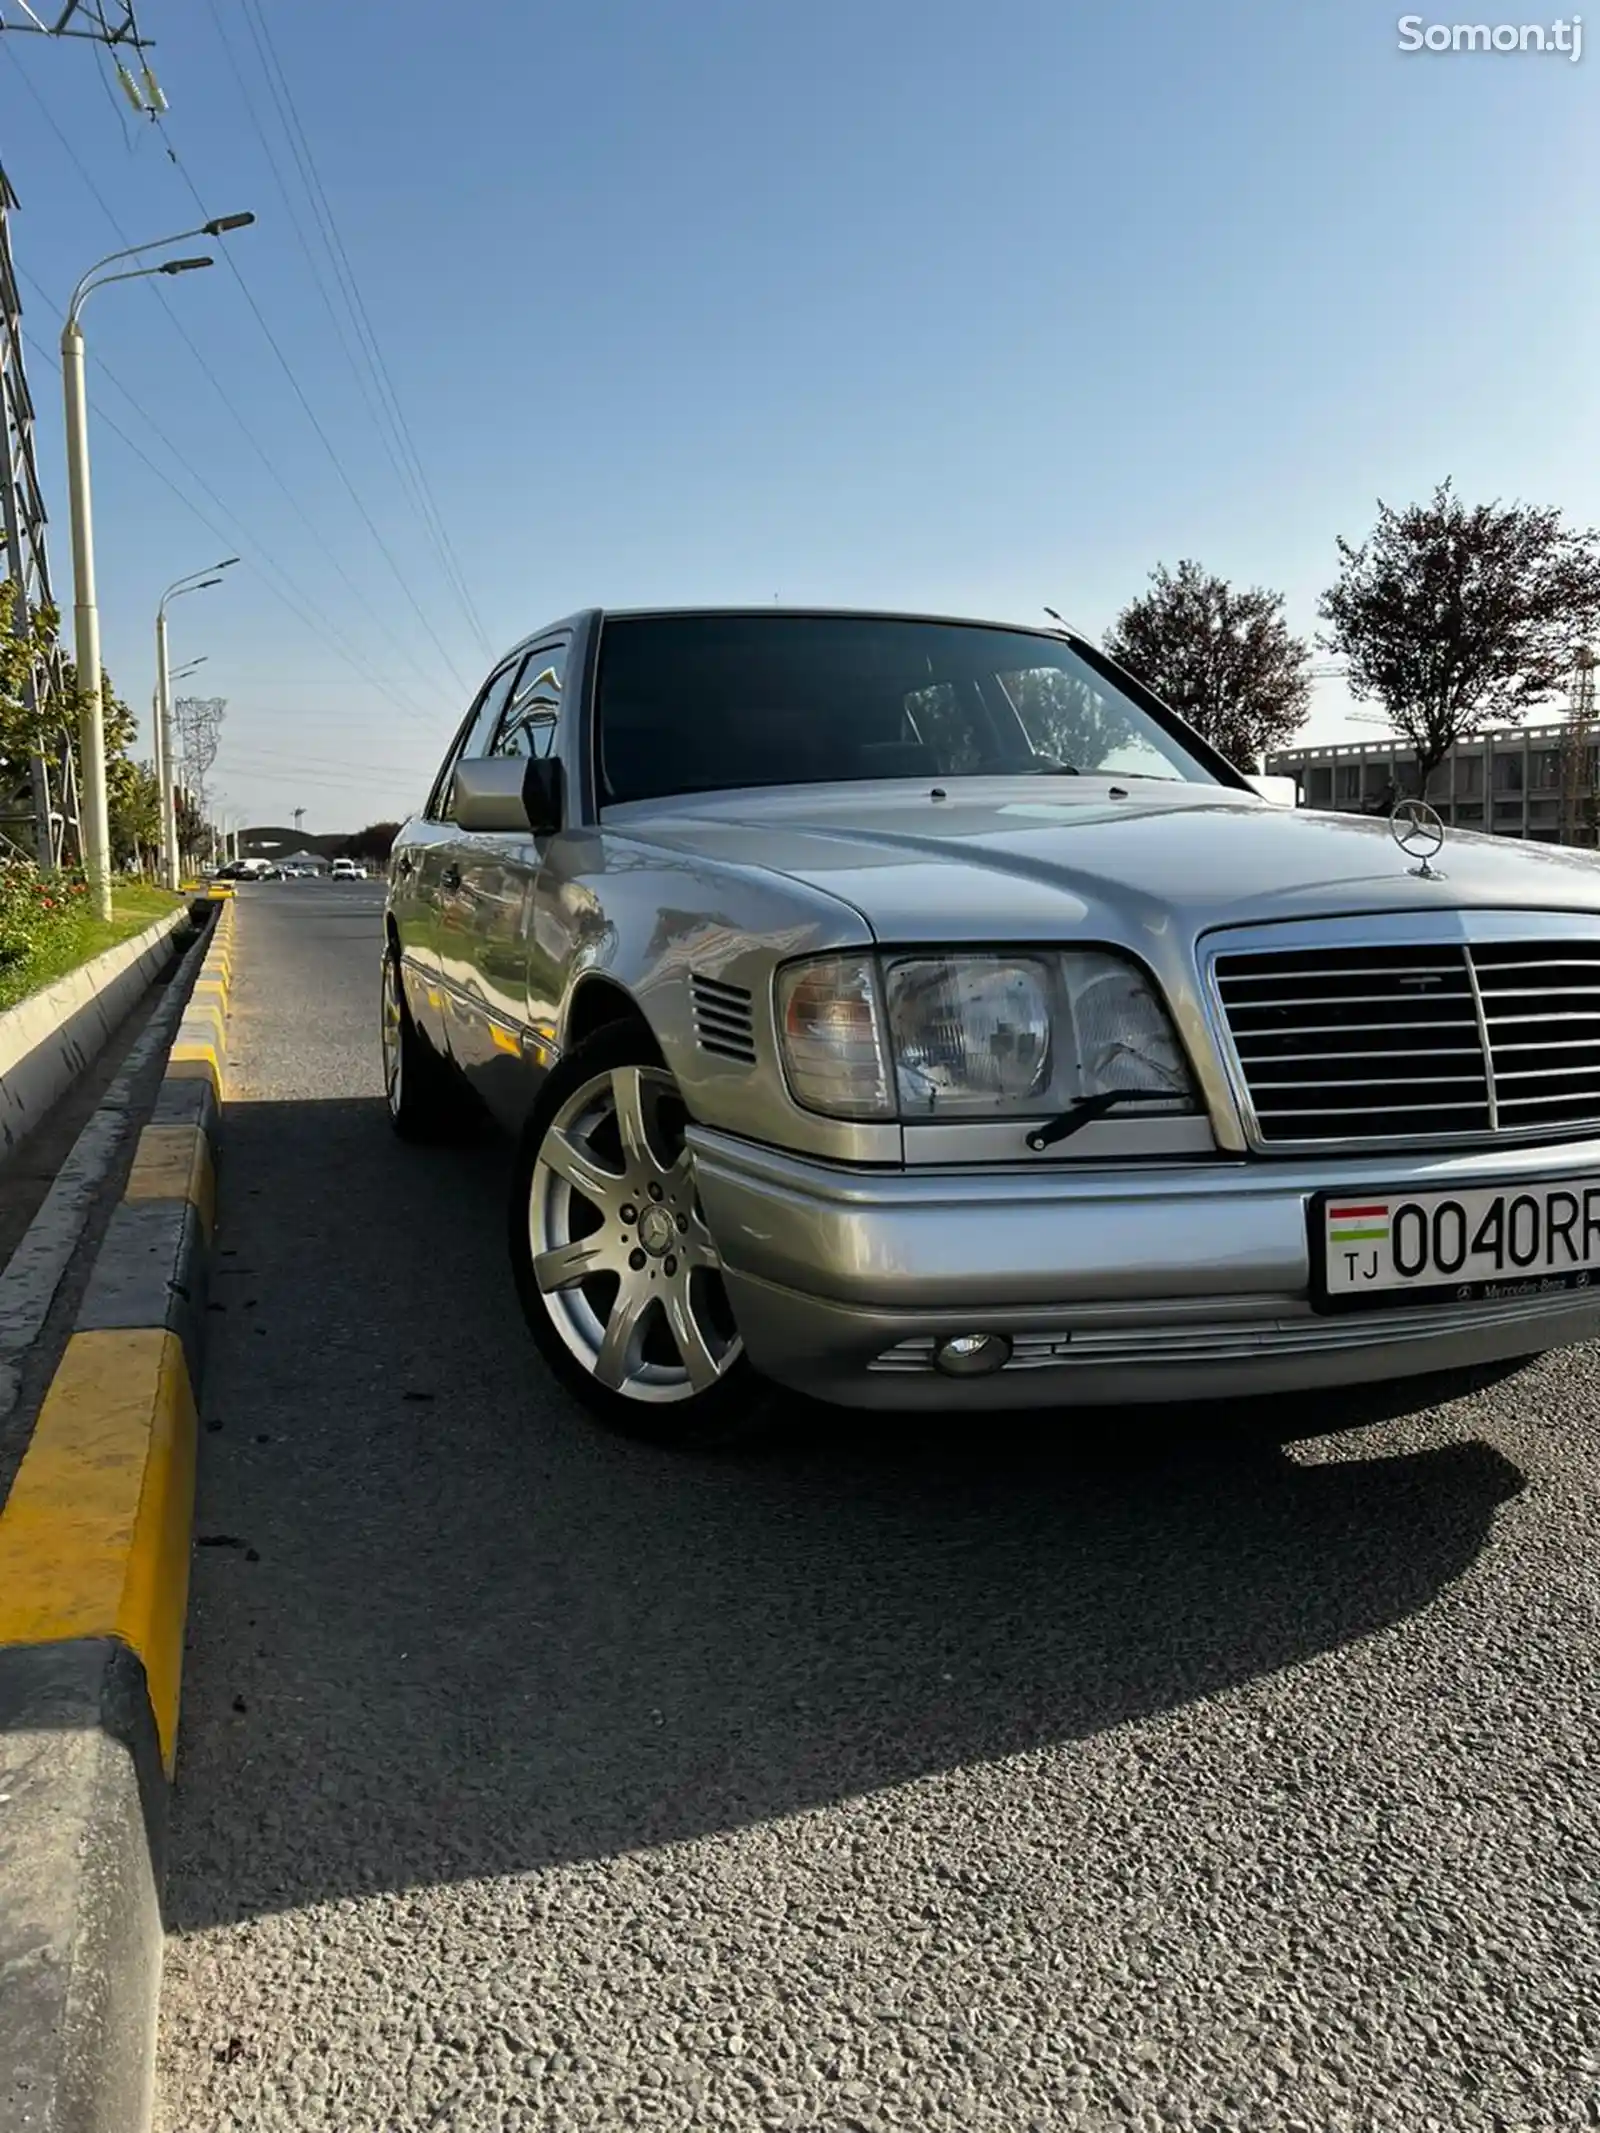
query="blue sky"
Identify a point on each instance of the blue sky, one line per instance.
(966, 308)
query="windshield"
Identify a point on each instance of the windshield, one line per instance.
(700, 703)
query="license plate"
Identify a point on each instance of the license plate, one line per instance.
(1485, 1246)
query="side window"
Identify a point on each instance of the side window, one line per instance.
(473, 738)
(529, 725)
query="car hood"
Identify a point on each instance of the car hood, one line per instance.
(1041, 858)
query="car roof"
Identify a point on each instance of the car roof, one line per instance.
(842, 614)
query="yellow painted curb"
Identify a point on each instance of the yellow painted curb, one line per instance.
(95, 1535)
(203, 1019)
(191, 1062)
(174, 1163)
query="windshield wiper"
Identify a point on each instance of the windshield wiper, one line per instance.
(1088, 1108)
(1045, 769)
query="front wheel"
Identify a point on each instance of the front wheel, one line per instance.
(425, 1103)
(618, 1275)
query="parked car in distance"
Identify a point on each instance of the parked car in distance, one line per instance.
(915, 1012)
(347, 870)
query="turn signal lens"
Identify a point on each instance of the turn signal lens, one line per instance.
(831, 1031)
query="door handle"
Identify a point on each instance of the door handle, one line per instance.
(451, 877)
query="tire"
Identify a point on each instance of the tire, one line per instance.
(425, 1101)
(616, 1271)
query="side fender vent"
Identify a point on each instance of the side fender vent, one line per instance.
(723, 1023)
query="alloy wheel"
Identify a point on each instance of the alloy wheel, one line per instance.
(393, 1037)
(621, 1255)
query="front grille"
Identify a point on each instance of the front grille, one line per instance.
(1541, 1006)
(1455, 1040)
(723, 1021)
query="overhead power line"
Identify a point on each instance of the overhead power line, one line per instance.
(388, 414)
(296, 600)
(315, 420)
(204, 366)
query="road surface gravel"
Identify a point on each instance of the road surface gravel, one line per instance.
(1216, 1772)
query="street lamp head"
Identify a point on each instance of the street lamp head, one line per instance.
(223, 223)
(183, 266)
(227, 563)
(204, 582)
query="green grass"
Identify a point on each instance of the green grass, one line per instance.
(81, 937)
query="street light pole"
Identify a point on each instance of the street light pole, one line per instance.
(86, 633)
(86, 612)
(196, 581)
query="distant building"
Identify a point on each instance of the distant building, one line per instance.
(1507, 781)
(281, 844)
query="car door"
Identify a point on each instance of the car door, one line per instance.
(447, 917)
(415, 869)
(499, 872)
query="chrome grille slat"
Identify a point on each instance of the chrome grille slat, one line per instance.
(1367, 1111)
(1376, 1081)
(1332, 1029)
(1463, 1042)
(1347, 999)
(1456, 1051)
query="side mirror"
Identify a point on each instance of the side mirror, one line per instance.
(543, 795)
(509, 793)
(487, 794)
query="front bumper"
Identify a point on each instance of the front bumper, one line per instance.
(1184, 1281)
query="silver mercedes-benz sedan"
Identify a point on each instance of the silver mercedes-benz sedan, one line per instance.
(917, 1013)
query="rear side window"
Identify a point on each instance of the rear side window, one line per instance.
(528, 727)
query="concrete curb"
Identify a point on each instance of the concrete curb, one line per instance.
(48, 1039)
(95, 1542)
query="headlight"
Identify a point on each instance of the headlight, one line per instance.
(970, 1037)
(922, 1037)
(1125, 1039)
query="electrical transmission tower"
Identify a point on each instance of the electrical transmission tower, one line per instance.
(37, 798)
(198, 720)
(1577, 775)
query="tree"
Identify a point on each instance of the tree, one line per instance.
(24, 733)
(1455, 616)
(1069, 717)
(1224, 659)
(373, 842)
(133, 807)
(193, 832)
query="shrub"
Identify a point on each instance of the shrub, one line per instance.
(41, 914)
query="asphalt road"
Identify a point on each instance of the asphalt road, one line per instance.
(1063, 1775)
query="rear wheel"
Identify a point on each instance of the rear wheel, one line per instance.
(618, 1275)
(425, 1102)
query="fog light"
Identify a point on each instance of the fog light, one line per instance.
(972, 1355)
